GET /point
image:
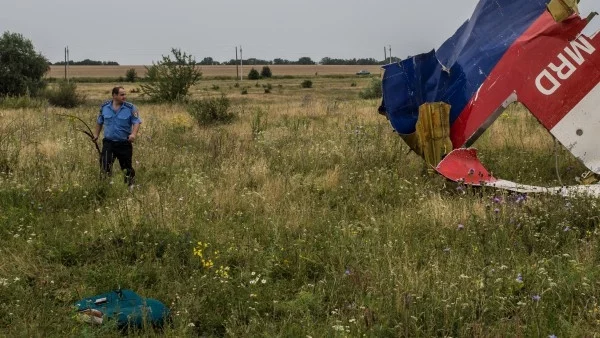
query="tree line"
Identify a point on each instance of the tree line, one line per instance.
(209, 61)
(86, 62)
(305, 60)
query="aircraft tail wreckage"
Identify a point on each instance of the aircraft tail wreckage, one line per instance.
(531, 51)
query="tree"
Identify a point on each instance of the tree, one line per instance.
(171, 79)
(266, 72)
(279, 61)
(253, 74)
(131, 75)
(207, 61)
(21, 67)
(305, 60)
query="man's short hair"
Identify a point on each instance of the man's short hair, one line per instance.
(115, 90)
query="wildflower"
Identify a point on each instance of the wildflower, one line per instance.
(338, 327)
(447, 250)
(264, 281)
(496, 210)
(519, 278)
(460, 188)
(347, 272)
(191, 325)
(552, 336)
(497, 200)
(536, 298)
(460, 227)
(567, 228)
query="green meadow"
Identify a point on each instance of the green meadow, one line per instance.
(307, 216)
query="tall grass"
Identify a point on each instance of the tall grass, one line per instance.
(317, 222)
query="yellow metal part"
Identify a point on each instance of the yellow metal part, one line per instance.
(433, 132)
(562, 9)
(589, 178)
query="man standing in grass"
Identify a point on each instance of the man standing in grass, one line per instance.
(121, 123)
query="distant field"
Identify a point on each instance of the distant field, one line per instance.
(211, 71)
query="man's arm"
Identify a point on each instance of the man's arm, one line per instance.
(134, 132)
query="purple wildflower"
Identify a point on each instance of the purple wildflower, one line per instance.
(536, 298)
(567, 228)
(497, 200)
(460, 227)
(347, 272)
(519, 278)
(521, 198)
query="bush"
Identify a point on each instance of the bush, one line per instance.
(373, 91)
(306, 84)
(244, 91)
(65, 96)
(211, 111)
(21, 67)
(131, 75)
(170, 80)
(253, 74)
(266, 72)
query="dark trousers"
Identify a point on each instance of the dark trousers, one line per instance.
(123, 151)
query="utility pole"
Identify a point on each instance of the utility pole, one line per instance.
(68, 58)
(384, 53)
(237, 66)
(65, 63)
(390, 53)
(241, 64)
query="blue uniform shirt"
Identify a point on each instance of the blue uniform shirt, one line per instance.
(118, 124)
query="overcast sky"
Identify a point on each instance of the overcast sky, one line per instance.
(135, 32)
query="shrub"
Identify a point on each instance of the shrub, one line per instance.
(306, 84)
(253, 74)
(266, 72)
(215, 110)
(353, 84)
(170, 80)
(244, 91)
(131, 75)
(21, 67)
(65, 96)
(373, 91)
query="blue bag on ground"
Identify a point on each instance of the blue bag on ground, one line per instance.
(125, 307)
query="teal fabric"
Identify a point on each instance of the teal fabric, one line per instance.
(127, 308)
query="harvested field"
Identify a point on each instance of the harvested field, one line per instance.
(214, 71)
